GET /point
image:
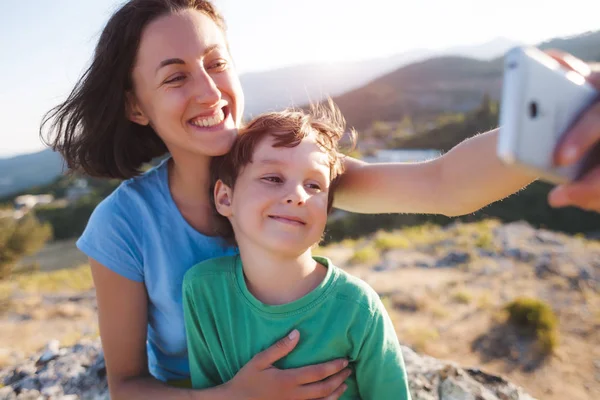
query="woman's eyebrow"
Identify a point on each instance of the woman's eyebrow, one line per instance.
(170, 61)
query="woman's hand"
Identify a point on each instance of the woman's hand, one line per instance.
(582, 137)
(259, 379)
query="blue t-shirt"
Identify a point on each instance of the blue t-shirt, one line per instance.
(139, 233)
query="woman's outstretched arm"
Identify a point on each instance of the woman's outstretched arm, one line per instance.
(465, 179)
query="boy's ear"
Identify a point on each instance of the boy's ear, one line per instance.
(133, 111)
(223, 196)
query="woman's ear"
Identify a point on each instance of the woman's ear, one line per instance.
(133, 111)
(223, 199)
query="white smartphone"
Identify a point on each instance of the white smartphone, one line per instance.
(540, 101)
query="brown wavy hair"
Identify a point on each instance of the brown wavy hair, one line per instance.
(288, 128)
(91, 129)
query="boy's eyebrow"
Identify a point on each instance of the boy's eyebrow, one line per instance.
(270, 161)
(170, 61)
(273, 161)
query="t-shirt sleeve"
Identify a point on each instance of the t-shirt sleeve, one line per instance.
(203, 371)
(111, 238)
(379, 367)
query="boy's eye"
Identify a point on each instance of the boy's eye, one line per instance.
(272, 179)
(314, 186)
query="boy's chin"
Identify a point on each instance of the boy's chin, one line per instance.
(289, 250)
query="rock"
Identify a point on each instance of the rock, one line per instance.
(80, 373)
(454, 258)
(50, 353)
(544, 267)
(52, 391)
(72, 373)
(29, 395)
(7, 393)
(401, 258)
(432, 379)
(519, 254)
(548, 237)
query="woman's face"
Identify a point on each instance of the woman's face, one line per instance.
(185, 85)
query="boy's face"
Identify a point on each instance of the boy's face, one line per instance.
(279, 202)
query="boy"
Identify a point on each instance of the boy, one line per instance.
(275, 190)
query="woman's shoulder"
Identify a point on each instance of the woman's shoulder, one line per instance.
(115, 232)
(137, 194)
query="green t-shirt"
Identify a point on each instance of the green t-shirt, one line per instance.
(342, 318)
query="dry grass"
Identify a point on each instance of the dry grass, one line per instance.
(365, 255)
(485, 301)
(387, 241)
(72, 279)
(420, 337)
(462, 296)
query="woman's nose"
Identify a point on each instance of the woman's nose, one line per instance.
(206, 89)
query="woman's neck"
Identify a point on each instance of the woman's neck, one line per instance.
(279, 279)
(189, 183)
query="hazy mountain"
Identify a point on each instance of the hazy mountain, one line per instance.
(301, 84)
(442, 84)
(21, 172)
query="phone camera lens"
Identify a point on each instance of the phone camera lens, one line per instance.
(533, 109)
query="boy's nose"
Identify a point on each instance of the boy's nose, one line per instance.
(297, 196)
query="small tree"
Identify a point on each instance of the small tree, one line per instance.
(18, 238)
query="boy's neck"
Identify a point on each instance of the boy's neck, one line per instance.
(276, 279)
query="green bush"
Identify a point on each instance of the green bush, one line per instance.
(536, 317)
(18, 238)
(462, 297)
(365, 255)
(387, 241)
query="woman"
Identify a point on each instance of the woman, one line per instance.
(162, 80)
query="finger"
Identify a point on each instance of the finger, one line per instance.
(591, 71)
(570, 62)
(594, 77)
(280, 349)
(317, 372)
(581, 137)
(338, 393)
(584, 193)
(325, 388)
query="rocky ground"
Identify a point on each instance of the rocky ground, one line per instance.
(445, 289)
(79, 372)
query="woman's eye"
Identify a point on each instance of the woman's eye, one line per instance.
(175, 79)
(218, 65)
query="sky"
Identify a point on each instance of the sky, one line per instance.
(46, 45)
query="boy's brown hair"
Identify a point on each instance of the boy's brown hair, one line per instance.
(288, 128)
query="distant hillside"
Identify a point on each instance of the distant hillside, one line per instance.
(442, 84)
(447, 135)
(297, 85)
(585, 46)
(21, 172)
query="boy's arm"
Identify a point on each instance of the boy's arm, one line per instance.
(379, 367)
(465, 179)
(203, 370)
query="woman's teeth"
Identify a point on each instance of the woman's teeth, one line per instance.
(210, 121)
